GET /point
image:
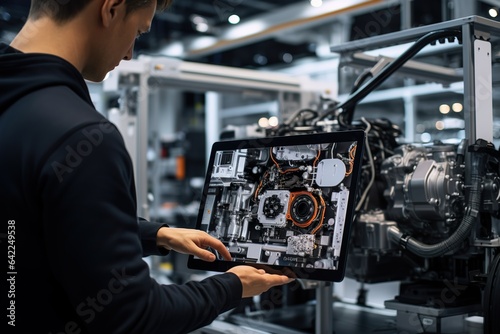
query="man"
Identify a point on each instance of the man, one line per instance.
(68, 207)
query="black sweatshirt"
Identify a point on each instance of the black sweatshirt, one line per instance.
(72, 241)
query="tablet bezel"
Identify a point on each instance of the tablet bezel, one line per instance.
(333, 275)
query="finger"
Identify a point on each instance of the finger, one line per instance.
(287, 279)
(218, 246)
(280, 279)
(204, 255)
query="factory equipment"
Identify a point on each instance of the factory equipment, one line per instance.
(428, 214)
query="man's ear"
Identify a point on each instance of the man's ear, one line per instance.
(111, 9)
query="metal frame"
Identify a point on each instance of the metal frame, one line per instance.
(169, 72)
(477, 33)
(149, 72)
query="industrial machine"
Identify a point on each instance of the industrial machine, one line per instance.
(428, 214)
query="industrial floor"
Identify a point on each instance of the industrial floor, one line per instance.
(301, 319)
(347, 319)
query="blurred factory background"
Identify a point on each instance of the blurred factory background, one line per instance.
(221, 69)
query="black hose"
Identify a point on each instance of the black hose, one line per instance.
(353, 99)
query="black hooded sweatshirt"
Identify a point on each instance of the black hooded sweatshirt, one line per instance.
(68, 210)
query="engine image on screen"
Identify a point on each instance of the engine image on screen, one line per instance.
(281, 205)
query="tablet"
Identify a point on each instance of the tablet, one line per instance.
(283, 204)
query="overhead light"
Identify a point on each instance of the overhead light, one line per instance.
(263, 122)
(287, 57)
(201, 27)
(444, 109)
(457, 107)
(316, 3)
(440, 125)
(200, 23)
(273, 121)
(234, 19)
(493, 12)
(425, 137)
(260, 59)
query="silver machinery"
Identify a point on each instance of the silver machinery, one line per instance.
(428, 215)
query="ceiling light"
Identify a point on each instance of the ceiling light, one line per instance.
(260, 59)
(287, 58)
(201, 27)
(263, 122)
(457, 107)
(425, 137)
(440, 125)
(234, 19)
(200, 23)
(316, 3)
(444, 109)
(493, 12)
(196, 19)
(273, 121)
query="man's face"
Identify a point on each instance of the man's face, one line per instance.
(118, 42)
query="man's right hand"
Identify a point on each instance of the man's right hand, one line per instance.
(256, 281)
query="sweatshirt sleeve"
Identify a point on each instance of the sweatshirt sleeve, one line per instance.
(148, 232)
(93, 242)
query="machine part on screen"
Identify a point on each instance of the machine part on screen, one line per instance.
(281, 205)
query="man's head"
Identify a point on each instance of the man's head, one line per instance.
(94, 35)
(64, 10)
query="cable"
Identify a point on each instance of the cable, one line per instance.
(361, 93)
(372, 166)
(367, 74)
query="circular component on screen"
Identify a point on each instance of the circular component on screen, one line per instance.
(272, 207)
(303, 209)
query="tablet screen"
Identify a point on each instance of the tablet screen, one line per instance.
(284, 204)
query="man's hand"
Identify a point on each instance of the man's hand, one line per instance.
(256, 281)
(189, 241)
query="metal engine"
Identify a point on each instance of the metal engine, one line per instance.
(435, 215)
(425, 189)
(427, 216)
